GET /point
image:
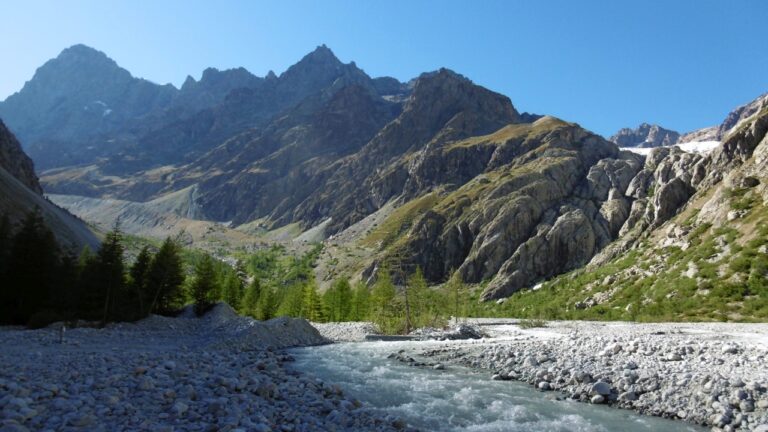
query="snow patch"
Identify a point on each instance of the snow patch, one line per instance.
(698, 146)
(702, 147)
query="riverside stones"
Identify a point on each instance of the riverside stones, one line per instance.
(218, 372)
(714, 379)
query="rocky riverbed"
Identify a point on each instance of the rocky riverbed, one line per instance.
(219, 372)
(707, 374)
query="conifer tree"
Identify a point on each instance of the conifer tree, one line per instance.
(251, 298)
(204, 285)
(265, 305)
(290, 301)
(385, 309)
(110, 276)
(5, 251)
(312, 305)
(5, 243)
(139, 272)
(417, 292)
(456, 292)
(165, 279)
(338, 301)
(360, 302)
(233, 290)
(31, 268)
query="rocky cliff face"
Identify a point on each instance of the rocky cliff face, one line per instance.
(702, 255)
(533, 200)
(16, 162)
(671, 179)
(645, 135)
(20, 193)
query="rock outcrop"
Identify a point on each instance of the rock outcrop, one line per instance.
(16, 162)
(20, 194)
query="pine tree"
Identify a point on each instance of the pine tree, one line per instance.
(67, 278)
(385, 307)
(165, 279)
(265, 305)
(417, 299)
(251, 298)
(5, 244)
(204, 286)
(290, 301)
(5, 252)
(86, 255)
(233, 290)
(139, 272)
(31, 269)
(338, 301)
(456, 291)
(110, 275)
(360, 302)
(312, 306)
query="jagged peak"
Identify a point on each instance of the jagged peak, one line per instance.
(86, 53)
(209, 72)
(322, 58)
(443, 74)
(321, 54)
(188, 82)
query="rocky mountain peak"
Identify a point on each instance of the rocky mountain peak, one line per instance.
(446, 99)
(83, 52)
(645, 135)
(321, 60)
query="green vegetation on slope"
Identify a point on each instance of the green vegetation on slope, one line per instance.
(718, 274)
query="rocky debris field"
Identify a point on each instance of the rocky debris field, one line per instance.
(346, 331)
(219, 372)
(708, 374)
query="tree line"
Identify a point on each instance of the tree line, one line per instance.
(43, 284)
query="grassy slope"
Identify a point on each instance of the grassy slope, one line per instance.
(721, 275)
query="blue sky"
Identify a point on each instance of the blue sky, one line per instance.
(604, 64)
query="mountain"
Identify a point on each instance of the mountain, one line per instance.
(305, 85)
(20, 193)
(645, 136)
(438, 173)
(736, 117)
(695, 245)
(74, 98)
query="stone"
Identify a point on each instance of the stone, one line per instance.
(597, 399)
(601, 388)
(628, 396)
(747, 406)
(179, 408)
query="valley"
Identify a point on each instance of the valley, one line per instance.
(326, 249)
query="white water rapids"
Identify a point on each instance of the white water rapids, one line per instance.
(457, 398)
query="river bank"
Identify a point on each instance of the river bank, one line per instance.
(711, 374)
(220, 372)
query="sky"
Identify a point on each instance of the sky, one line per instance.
(683, 64)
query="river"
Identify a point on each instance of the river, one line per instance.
(457, 398)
